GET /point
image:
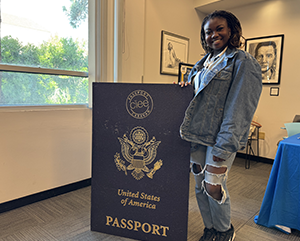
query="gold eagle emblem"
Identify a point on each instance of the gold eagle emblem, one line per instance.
(139, 152)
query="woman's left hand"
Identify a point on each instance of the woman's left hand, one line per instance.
(218, 159)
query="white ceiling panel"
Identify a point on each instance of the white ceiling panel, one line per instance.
(208, 6)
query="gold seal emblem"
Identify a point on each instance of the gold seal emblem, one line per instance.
(139, 104)
(139, 152)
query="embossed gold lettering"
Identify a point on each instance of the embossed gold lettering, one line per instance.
(129, 224)
(128, 193)
(137, 226)
(108, 220)
(124, 201)
(123, 223)
(149, 197)
(164, 228)
(148, 228)
(139, 104)
(115, 223)
(142, 204)
(139, 101)
(155, 229)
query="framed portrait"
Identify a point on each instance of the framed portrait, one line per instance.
(268, 52)
(184, 71)
(174, 50)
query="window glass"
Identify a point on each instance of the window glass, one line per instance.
(29, 89)
(47, 34)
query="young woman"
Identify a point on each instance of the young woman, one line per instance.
(227, 84)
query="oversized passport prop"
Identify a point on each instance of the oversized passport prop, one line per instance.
(140, 166)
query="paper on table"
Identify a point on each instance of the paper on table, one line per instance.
(283, 229)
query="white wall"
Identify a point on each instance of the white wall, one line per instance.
(133, 41)
(272, 18)
(144, 21)
(175, 16)
(42, 149)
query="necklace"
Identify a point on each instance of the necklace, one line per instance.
(210, 60)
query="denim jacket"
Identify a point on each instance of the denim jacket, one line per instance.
(221, 111)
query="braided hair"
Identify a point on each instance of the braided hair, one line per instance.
(235, 40)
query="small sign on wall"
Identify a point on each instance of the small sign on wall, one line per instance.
(274, 91)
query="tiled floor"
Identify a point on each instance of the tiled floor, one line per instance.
(67, 217)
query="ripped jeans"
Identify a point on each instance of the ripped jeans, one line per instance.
(215, 213)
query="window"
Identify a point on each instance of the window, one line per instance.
(44, 52)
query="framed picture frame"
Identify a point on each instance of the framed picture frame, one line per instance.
(174, 50)
(274, 91)
(268, 52)
(184, 71)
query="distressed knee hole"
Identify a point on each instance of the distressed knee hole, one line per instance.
(213, 185)
(215, 178)
(216, 169)
(196, 168)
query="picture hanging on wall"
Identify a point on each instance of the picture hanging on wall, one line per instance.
(268, 52)
(184, 71)
(174, 50)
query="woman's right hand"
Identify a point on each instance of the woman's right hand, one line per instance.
(183, 84)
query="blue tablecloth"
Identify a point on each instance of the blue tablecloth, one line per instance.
(281, 203)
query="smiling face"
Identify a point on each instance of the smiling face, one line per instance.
(217, 34)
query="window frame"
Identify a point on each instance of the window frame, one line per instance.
(39, 70)
(104, 58)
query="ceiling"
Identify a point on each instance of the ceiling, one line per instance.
(205, 6)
